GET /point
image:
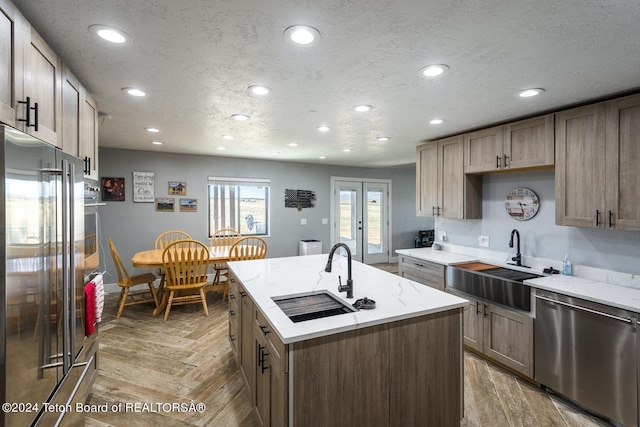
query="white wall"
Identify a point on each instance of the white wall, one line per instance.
(134, 226)
(541, 238)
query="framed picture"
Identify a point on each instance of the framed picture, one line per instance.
(188, 205)
(143, 187)
(177, 188)
(113, 189)
(165, 204)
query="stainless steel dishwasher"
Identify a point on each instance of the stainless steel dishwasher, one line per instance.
(587, 352)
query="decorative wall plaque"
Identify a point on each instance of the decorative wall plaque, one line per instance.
(143, 187)
(299, 199)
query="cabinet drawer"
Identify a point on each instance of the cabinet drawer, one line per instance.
(434, 282)
(425, 268)
(276, 349)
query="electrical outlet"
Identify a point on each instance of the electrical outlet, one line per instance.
(303, 221)
(483, 241)
(325, 221)
(442, 235)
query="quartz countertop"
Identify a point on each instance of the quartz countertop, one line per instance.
(396, 298)
(627, 298)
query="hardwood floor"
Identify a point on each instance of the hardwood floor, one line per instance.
(146, 361)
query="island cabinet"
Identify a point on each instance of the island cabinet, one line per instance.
(404, 372)
(505, 336)
(519, 145)
(597, 178)
(421, 271)
(441, 185)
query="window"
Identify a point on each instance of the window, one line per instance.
(239, 203)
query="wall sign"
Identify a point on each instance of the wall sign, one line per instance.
(143, 185)
(522, 204)
(299, 199)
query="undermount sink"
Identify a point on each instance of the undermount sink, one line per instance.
(312, 305)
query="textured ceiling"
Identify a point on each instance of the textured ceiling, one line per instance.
(196, 58)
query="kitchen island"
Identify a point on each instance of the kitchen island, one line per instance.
(397, 364)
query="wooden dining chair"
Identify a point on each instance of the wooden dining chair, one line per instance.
(186, 264)
(126, 282)
(223, 237)
(90, 244)
(164, 240)
(244, 248)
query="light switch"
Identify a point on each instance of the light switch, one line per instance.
(303, 221)
(483, 241)
(325, 221)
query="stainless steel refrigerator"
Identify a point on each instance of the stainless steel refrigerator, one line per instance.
(47, 363)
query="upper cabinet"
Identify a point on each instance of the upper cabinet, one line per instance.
(11, 61)
(88, 149)
(41, 100)
(442, 187)
(519, 145)
(597, 178)
(40, 96)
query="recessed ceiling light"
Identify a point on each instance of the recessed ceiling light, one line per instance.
(134, 91)
(240, 117)
(154, 130)
(363, 108)
(528, 93)
(259, 90)
(275, 153)
(110, 34)
(227, 136)
(347, 150)
(156, 142)
(293, 144)
(324, 128)
(436, 121)
(221, 148)
(383, 138)
(322, 157)
(434, 70)
(302, 34)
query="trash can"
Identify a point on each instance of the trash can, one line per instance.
(310, 247)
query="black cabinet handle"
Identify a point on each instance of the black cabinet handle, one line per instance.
(232, 296)
(27, 111)
(433, 211)
(87, 165)
(437, 210)
(35, 110)
(505, 161)
(264, 329)
(243, 294)
(597, 218)
(261, 360)
(232, 337)
(497, 162)
(485, 310)
(610, 219)
(231, 312)
(477, 307)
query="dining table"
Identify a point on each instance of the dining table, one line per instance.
(152, 258)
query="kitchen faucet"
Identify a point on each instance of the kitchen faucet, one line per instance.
(349, 286)
(518, 257)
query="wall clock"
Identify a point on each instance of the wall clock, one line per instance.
(522, 204)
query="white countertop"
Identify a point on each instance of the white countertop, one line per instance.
(396, 298)
(624, 297)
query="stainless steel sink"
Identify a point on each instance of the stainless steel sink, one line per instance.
(312, 305)
(492, 283)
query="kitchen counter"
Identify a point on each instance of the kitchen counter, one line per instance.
(396, 298)
(624, 297)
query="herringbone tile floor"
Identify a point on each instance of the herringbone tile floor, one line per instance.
(147, 364)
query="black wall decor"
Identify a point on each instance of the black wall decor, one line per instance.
(299, 199)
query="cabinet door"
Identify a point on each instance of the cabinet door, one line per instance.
(247, 342)
(88, 149)
(11, 62)
(43, 85)
(71, 99)
(271, 385)
(580, 166)
(427, 179)
(451, 178)
(623, 154)
(529, 143)
(483, 150)
(472, 321)
(508, 339)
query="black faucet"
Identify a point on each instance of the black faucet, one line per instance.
(518, 257)
(349, 286)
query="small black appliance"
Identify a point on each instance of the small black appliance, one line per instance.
(424, 239)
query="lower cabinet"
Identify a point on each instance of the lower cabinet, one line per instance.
(425, 272)
(503, 335)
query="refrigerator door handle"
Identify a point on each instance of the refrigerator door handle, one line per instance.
(68, 265)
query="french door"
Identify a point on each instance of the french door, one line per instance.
(360, 218)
